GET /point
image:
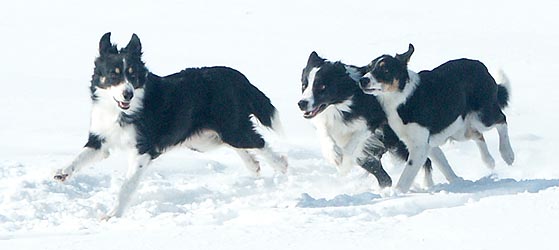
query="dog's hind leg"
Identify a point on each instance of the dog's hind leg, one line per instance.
(483, 150)
(504, 143)
(137, 165)
(277, 161)
(493, 115)
(250, 161)
(245, 137)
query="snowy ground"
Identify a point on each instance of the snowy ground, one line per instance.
(189, 200)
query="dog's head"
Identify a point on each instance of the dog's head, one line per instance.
(325, 83)
(386, 74)
(119, 75)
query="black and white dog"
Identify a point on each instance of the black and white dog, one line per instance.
(350, 124)
(197, 108)
(457, 100)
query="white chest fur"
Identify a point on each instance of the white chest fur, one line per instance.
(332, 121)
(409, 132)
(105, 117)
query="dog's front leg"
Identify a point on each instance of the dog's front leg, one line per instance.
(89, 154)
(417, 141)
(331, 151)
(137, 166)
(356, 142)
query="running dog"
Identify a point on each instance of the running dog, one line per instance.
(456, 101)
(146, 114)
(351, 125)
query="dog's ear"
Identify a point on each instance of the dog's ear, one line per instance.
(315, 60)
(134, 47)
(105, 45)
(405, 58)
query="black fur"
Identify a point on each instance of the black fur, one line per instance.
(460, 91)
(94, 141)
(334, 85)
(503, 96)
(455, 88)
(177, 106)
(462, 86)
(199, 108)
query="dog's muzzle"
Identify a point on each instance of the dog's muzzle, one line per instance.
(308, 114)
(127, 95)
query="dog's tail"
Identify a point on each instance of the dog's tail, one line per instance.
(263, 110)
(504, 89)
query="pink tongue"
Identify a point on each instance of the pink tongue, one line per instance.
(315, 111)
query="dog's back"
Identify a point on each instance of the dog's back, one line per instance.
(198, 108)
(455, 88)
(211, 98)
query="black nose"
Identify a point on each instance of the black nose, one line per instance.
(364, 81)
(303, 104)
(128, 94)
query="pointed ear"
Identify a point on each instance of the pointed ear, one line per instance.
(134, 46)
(405, 58)
(315, 60)
(105, 45)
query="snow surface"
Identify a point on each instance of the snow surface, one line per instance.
(189, 200)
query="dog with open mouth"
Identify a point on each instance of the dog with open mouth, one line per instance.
(457, 100)
(351, 125)
(147, 115)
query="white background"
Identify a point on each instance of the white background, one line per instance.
(189, 200)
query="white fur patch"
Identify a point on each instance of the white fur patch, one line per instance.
(342, 142)
(504, 143)
(106, 115)
(137, 166)
(353, 73)
(308, 92)
(203, 141)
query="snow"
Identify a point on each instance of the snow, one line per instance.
(189, 200)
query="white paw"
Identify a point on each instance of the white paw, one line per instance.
(488, 161)
(388, 192)
(345, 167)
(281, 164)
(506, 153)
(106, 217)
(61, 175)
(253, 167)
(111, 214)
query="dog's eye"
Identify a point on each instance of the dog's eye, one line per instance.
(130, 70)
(320, 87)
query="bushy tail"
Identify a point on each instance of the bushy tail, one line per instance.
(264, 111)
(503, 91)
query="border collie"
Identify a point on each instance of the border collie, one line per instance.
(457, 100)
(198, 108)
(351, 126)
